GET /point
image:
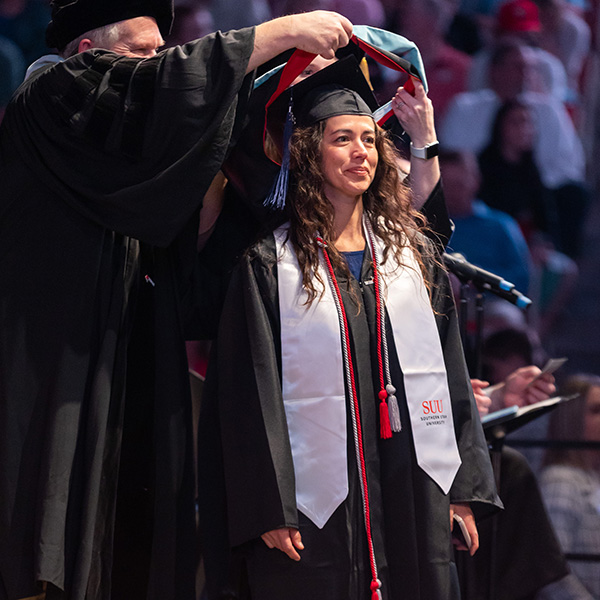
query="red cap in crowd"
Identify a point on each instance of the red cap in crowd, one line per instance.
(519, 16)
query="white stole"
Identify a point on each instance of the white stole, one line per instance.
(313, 380)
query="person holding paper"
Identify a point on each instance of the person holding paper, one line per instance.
(524, 386)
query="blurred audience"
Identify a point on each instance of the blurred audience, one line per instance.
(22, 31)
(558, 153)
(468, 123)
(567, 36)
(570, 481)
(426, 22)
(235, 14)
(554, 276)
(511, 182)
(510, 179)
(192, 21)
(511, 353)
(518, 21)
(484, 236)
(360, 12)
(24, 22)
(12, 69)
(505, 352)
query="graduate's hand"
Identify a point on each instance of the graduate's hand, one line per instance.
(286, 539)
(466, 514)
(320, 32)
(415, 114)
(481, 398)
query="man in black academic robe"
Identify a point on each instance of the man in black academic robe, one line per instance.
(104, 161)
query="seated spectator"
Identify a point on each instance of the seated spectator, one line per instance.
(507, 352)
(510, 180)
(24, 22)
(192, 21)
(235, 14)
(503, 315)
(518, 21)
(553, 279)
(567, 36)
(12, 69)
(464, 32)
(570, 482)
(468, 122)
(557, 152)
(484, 236)
(425, 22)
(361, 12)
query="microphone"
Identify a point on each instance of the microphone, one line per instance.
(481, 278)
(520, 300)
(466, 272)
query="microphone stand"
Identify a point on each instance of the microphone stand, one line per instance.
(478, 346)
(475, 349)
(496, 443)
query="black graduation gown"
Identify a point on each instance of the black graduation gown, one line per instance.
(527, 555)
(104, 161)
(244, 432)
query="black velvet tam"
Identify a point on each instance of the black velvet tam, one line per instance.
(72, 18)
(330, 101)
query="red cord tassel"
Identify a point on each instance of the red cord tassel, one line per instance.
(375, 589)
(385, 429)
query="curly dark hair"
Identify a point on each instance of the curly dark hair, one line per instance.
(387, 204)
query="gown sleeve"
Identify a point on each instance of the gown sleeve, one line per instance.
(131, 143)
(254, 442)
(436, 214)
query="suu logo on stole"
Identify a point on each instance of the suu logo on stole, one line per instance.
(433, 407)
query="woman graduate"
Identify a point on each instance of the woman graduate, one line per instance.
(348, 432)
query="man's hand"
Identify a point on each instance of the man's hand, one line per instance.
(320, 32)
(286, 539)
(521, 389)
(466, 514)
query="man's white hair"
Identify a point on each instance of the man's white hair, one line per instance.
(101, 37)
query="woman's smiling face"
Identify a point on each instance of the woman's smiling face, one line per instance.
(349, 155)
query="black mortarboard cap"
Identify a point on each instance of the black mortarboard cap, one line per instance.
(71, 18)
(339, 89)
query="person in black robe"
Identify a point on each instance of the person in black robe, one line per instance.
(245, 430)
(105, 157)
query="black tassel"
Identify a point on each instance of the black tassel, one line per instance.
(278, 193)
